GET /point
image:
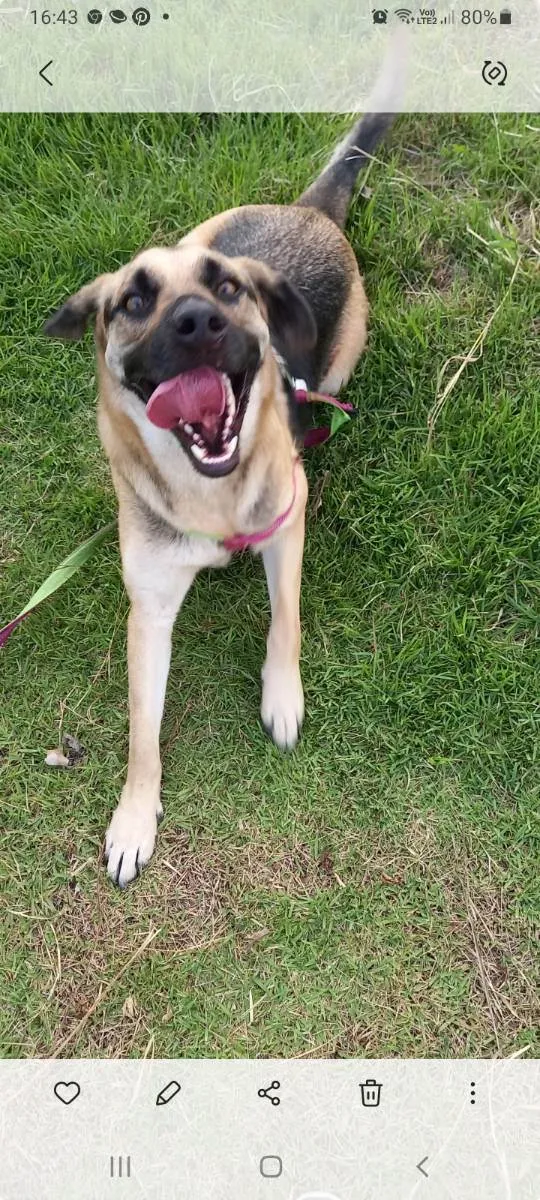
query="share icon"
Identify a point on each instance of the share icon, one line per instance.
(272, 1088)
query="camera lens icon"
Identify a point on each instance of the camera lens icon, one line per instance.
(141, 16)
(94, 16)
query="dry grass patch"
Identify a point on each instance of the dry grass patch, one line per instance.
(190, 902)
(505, 977)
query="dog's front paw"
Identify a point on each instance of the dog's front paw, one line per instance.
(282, 708)
(130, 841)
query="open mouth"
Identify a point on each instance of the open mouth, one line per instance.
(205, 409)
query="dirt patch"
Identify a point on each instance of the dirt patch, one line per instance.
(372, 860)
(443, 270)
(492, 942)
(291, 870)
(443, 276)
(436, 273)
(197, 897)
(524, 220)
(191, 902)
(505, 978)
(426, 169)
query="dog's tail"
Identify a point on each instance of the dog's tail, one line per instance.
(331, 192)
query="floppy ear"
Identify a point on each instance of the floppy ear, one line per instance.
(289, 315)
(70, 321)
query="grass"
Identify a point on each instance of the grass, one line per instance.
(376, 893)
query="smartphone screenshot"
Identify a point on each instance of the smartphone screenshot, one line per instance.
(269, 587)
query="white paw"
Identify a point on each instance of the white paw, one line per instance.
(129, 842)
(282, 708)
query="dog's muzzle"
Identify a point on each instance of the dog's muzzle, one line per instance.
(195, 375)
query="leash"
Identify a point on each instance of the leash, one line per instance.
(321, 433)
(235, 544)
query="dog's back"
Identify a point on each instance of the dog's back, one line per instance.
(305, 242)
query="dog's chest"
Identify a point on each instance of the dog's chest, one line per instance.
(181, 512)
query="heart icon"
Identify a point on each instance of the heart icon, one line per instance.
(67, 1092)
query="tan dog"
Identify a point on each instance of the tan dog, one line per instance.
(197, 419)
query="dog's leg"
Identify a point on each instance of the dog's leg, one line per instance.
(282, 708)
(156, 585)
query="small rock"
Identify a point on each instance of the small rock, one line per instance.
(257, 936)
(72, 747)
(55, 758)
(68, 754)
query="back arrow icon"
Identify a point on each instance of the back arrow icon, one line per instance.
(420, 1166)
(45, 68)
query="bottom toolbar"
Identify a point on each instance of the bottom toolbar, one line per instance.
(260, 1130)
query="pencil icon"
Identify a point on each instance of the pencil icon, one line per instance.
(168, 1093)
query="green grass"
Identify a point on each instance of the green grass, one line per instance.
(375, 893)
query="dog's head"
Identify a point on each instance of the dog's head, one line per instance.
(187, 330)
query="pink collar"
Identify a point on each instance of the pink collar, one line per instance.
(242, 541)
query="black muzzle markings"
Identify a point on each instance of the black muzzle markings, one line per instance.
(194, 333)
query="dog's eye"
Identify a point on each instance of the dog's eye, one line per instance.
(228, 289)
(134, 304)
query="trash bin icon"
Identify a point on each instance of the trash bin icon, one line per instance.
(371, 1093)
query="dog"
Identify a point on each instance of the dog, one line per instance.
(196, 346)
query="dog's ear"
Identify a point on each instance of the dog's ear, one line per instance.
(71, 320)
(290, 317)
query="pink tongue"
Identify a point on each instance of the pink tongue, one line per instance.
(197, 397)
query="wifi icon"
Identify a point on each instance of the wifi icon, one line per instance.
(404, 14)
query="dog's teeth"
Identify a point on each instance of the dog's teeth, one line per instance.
(188, 428)
(200, 452)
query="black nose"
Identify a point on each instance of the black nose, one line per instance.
(197, 321)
